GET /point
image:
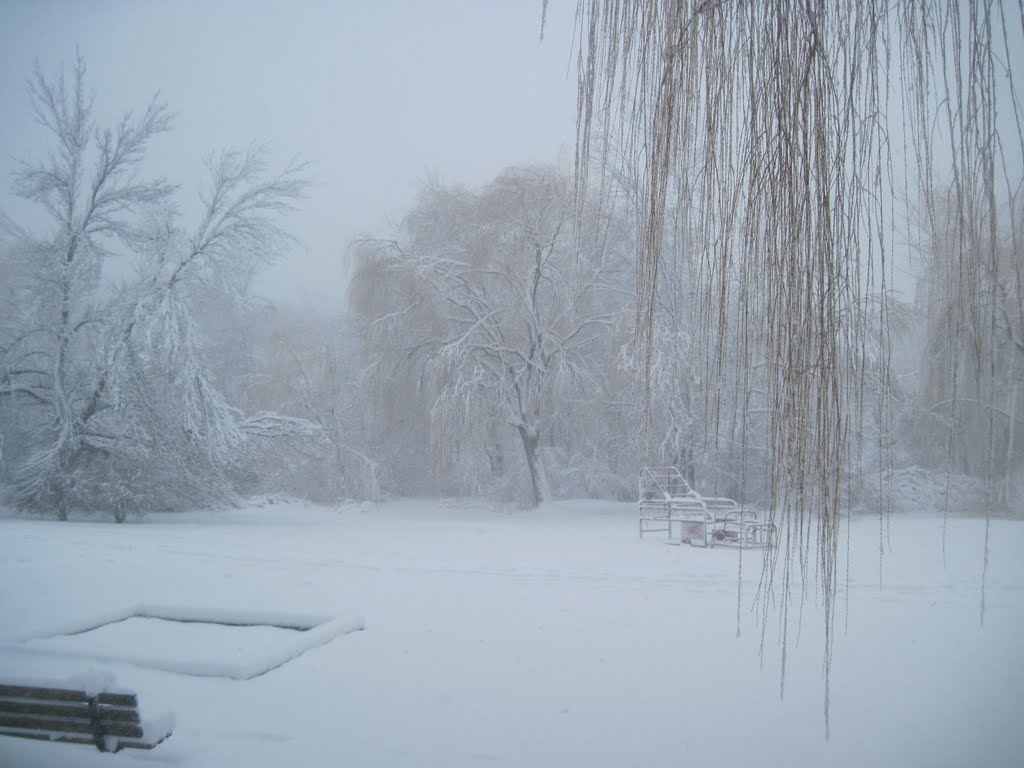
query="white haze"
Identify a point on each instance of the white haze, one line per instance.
(377, 96)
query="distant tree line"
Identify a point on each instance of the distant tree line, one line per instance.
(491, 344)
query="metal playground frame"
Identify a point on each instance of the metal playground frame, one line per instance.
(669, 505)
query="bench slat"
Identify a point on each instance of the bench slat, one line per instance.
(118, 714)
(42, 694)
(58, 725)
(118, 699)
(59, 694)
(67, 709)
(55, 708)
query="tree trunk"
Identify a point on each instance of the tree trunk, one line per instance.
(1011, 466)
(538, 482)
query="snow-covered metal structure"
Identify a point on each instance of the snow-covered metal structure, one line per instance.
(669, 505)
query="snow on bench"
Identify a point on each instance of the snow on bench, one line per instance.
(667, 500)
(83, 710)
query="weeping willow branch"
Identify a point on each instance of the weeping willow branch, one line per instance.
(771, 125)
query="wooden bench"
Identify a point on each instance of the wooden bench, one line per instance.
(108, 719)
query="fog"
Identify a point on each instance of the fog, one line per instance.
(378, 97)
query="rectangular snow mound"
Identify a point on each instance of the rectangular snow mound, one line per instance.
(176, 638)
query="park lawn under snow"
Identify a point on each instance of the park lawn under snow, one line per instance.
(553, 637)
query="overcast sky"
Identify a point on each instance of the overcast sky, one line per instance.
(376, 94)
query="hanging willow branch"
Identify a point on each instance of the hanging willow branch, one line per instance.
(771, 126)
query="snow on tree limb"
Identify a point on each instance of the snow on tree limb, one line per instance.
(125, 403)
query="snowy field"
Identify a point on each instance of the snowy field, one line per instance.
(495, 637)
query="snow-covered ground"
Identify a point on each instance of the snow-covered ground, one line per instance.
(547, 638)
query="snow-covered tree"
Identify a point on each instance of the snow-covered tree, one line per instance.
(121, 398)
(156, 348)
(496, 300)
(90, 190)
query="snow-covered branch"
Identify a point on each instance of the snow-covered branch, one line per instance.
(274, 425)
